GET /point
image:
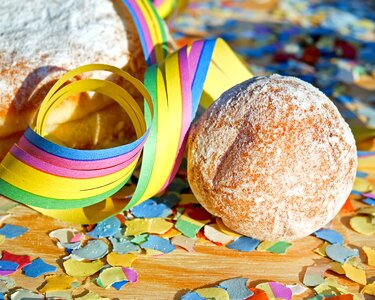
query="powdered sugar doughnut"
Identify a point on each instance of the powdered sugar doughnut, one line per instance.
(273, 158)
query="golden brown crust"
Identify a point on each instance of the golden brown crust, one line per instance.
(273, 158)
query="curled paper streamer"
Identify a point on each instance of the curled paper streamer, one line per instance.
(77, 185)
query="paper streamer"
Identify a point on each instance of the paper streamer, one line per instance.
(77, 185)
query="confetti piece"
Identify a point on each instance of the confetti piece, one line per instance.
(370, 252)
(77, 238)
(139, 226)
(336, 267)
(169, 199)
(152, 252)
(369, 289)
(7, 267)
(342, 297)
(366, 211)
(57, 283)
(216, 293)
(141, 238)
(21, 260)
(2, 238)
(59, 295)
(314, 275)
(189, 226)
(223, 228)
(178, 185)
(108, 227)
(184, 242)
(121, 260)
(362, 185)
(37, 268)
(274, 247)
(321, 250)
(348, 206)
(236, 288)
(8, 283)
(276, 290)
(23, 294)
(93, 250)
(258, 294)
(110, 275)
(244, 244)
(131, 274)
(329, 235)
(297, 289)
(64, 237)
(192, 296)
(123, 246)
(369, 201)
(157, 243)
(151, 209)
(213, 233)
(331, 287)
(118, 285)
(12, 231)
(340, 253)
(363, 224)
(171, 233)
(200, 214)
(354, 270)
(77, 268)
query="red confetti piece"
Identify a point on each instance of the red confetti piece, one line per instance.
(200, 214)
(348, 207)
(258, 294)
(21, 260)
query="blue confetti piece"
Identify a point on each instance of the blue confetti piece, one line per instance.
(192, 296)
(357, 193)
(329, 235)
(369, 201)
(123, 246)
(340, 253)
(2, 296)
(361, 174)
(244, 243)
(12, 231)
(157, 243)
(151, 209)
(170, 199)
(236, 288)
(118, 285)
(38, 267)
(7, 265)
(106, 228)
(344, 99)
(93, 250)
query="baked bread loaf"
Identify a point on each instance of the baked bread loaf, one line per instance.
(273, 158)
(40, 40)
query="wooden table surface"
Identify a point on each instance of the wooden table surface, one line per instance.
(171, 275)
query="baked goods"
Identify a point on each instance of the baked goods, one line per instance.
(40, 40)
(273, 158)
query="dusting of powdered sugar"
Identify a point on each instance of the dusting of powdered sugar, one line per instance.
(273, 158)
(40, 35)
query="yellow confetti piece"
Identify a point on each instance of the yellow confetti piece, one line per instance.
(139, 226)
(213, 293)
(336, 267)
(223, 228)
(367, 211)
(354, 270)
(362, 224)
(121, 260)
(57, 283)
(369, 289)
(265, 245)
(2, 238)
(152, 252)
(362, 185)
(213, 233)
(111, 275)
(187, 198)
(184, 242)
(321, 250)
(82, 269)
(370, 252)
(171, 233)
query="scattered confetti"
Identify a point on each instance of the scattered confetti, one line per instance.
(57, 283)
(276, 290)
(77, 268)
(21, 260)
(12, 231)
(362, 224)
(139, 226)
(184, 242)
(213, 233)
(297, 289)
(216, 293)
(157, 243)
(189, 226)
(354, 270)
(93, 250)
(111, 275)
(38, 267)
(23, 294)
(236, 288)
(274, 247)
(123, 246)
(369, 289)
(151, 209)
(244, 244)
(314, 275)
(340, 253)
(331, 287)
(121, 260)
(131, 274)
(64, 237)
(7, 267)
(106, 228)
(370, 252)
(329, 235)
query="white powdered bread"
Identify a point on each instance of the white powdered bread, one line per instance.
(273, 158)
(39, 41)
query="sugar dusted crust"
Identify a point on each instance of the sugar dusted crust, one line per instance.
(273, 158)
